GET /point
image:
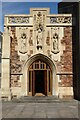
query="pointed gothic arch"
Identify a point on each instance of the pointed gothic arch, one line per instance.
(26, 82)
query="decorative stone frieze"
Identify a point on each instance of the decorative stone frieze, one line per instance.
(18, 20)
(61, 19)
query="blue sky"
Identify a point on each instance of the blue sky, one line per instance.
(24, 7)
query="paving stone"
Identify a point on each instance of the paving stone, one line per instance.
(40, 110)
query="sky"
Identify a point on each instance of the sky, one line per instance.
(24, 7)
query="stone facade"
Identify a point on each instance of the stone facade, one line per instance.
(38, 36)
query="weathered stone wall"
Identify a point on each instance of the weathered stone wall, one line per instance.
(65, 63)
(66, 59)
(66, 80)
(15, 63)
(66, 75)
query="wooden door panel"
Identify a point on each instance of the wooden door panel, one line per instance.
(45, 82)
(40, 65)
(33, 84)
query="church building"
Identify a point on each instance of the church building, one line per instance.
(37, 55)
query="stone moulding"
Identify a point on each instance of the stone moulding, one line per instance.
(51, 20)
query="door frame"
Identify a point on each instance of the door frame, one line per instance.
(25, 75)
(47, 79)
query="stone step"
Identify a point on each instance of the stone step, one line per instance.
(37, 99)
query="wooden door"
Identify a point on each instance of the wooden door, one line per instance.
(40, 65)
(33, 84)
(45, 82)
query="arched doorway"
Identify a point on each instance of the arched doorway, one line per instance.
(40, 78)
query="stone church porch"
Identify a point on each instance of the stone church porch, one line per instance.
(37, 55)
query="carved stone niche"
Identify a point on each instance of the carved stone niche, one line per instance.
(23, 40)
(55, 40)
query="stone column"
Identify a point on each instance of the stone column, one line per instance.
(5, 82)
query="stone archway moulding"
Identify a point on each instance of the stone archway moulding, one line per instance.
(25, 77)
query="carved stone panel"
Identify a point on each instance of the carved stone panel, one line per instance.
(61, 19)
(18, 20)
(39, 24)
(39, 21)
(55, 40)
(23, 40)
(39, 37)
